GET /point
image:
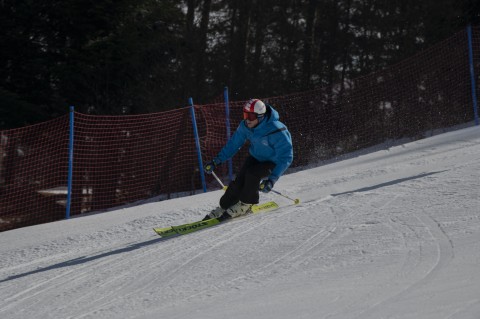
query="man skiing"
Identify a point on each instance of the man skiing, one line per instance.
(270, 154)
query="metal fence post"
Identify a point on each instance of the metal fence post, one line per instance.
(197, 144)
(70, 163)
(227, 124)
(472, 73)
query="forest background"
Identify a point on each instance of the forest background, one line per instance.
(131, 57)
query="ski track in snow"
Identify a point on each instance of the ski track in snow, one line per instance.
(378, 236)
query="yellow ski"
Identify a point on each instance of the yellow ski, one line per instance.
(192, 227)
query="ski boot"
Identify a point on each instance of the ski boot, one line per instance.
(239, 209)
(215, 213)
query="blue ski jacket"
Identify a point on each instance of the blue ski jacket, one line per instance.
(269, 141)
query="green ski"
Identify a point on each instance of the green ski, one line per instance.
(192, 227)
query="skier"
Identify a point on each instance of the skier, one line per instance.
(270, 154)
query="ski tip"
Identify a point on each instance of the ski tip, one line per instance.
(165, 232)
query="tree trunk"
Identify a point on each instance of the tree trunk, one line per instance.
(308, 47)
(256, 64)
(345, 49)
(240, 47)
(201, 51)
(189, 50)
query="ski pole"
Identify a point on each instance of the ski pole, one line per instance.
(219, 181)
(296, 200)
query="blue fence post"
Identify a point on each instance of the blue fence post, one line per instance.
(227, 124)
(472, 73)
(197, 144)
(70, 163)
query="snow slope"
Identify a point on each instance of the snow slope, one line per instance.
(391, 234)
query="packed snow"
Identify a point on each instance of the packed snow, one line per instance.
(390, 234)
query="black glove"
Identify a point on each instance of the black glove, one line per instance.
(210, 166)
(266, 185)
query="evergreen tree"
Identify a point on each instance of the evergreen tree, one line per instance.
(126, 57)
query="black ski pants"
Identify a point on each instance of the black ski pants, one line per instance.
(245, 186)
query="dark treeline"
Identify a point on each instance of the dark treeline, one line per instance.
(141, 56)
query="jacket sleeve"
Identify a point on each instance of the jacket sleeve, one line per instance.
(233, 145)
(282, 143)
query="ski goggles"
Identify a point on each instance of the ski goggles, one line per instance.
(251, 116)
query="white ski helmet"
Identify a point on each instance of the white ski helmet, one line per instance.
(255, 106)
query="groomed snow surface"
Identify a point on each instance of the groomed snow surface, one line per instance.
(390, 234)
